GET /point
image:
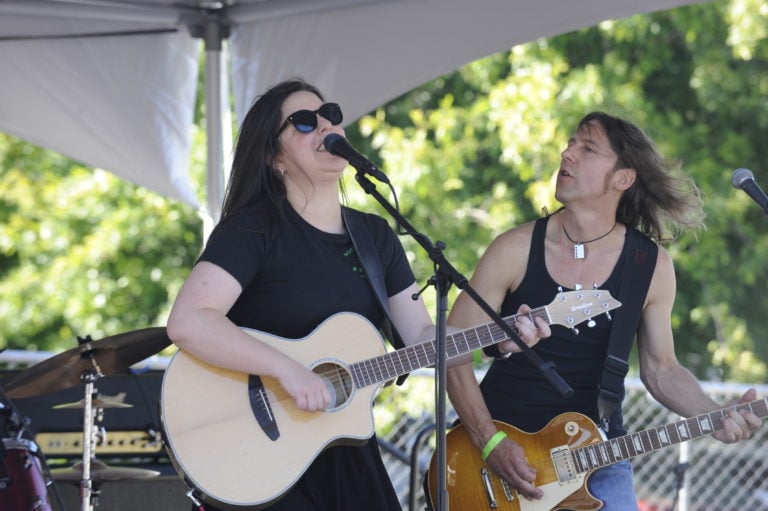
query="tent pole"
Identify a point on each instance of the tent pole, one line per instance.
(217, 114)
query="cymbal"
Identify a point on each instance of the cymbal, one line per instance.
(95, 403)
(105, 357)
(100, 473)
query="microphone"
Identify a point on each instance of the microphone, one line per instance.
(339, 146)
(745, 180)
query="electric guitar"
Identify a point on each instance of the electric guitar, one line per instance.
(239, 440)
(563, 453)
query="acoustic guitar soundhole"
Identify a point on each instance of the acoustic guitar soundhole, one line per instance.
(339, 382)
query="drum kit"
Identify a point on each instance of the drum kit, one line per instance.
(24, 473)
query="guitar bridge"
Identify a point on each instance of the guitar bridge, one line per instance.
(509, 493)
(262, 409)
(489, 493)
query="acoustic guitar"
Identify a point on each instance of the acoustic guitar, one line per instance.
(239, 440)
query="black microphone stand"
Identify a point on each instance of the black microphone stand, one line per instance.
(445, 275)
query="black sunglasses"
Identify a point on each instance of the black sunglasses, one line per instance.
(305, 121)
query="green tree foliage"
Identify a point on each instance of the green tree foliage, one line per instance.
(471, 154)
(82, 252)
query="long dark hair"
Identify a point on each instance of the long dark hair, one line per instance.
(254, 180)
(663, 201)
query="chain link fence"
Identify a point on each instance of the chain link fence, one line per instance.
(700, 475)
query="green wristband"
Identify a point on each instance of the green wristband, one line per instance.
(477, 357)
(492, 443)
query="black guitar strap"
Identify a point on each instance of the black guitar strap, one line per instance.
(369, 258)
(636, 279)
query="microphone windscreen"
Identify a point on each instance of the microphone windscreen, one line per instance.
(741, 175)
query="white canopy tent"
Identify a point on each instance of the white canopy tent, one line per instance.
(112, 83)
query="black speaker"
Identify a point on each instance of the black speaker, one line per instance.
(163, 493)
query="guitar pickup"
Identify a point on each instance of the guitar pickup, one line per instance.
(563, 463)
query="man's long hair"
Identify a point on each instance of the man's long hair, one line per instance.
(663, 202)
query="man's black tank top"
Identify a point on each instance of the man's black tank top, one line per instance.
(514, 390)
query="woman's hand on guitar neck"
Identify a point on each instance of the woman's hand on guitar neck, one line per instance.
(531, 330)
(508, 461)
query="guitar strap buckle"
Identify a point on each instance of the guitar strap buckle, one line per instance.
(607, 401)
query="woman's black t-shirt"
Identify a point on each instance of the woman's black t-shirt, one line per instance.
(294, 277)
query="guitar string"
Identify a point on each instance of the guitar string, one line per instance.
(493, 330)
(335, 378)
(589, 457)
(413, 359)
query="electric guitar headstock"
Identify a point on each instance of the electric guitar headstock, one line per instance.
(571, 308)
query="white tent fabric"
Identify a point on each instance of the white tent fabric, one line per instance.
(112, 83)
(124, 108)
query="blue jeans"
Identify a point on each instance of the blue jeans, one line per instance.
(614, 486)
